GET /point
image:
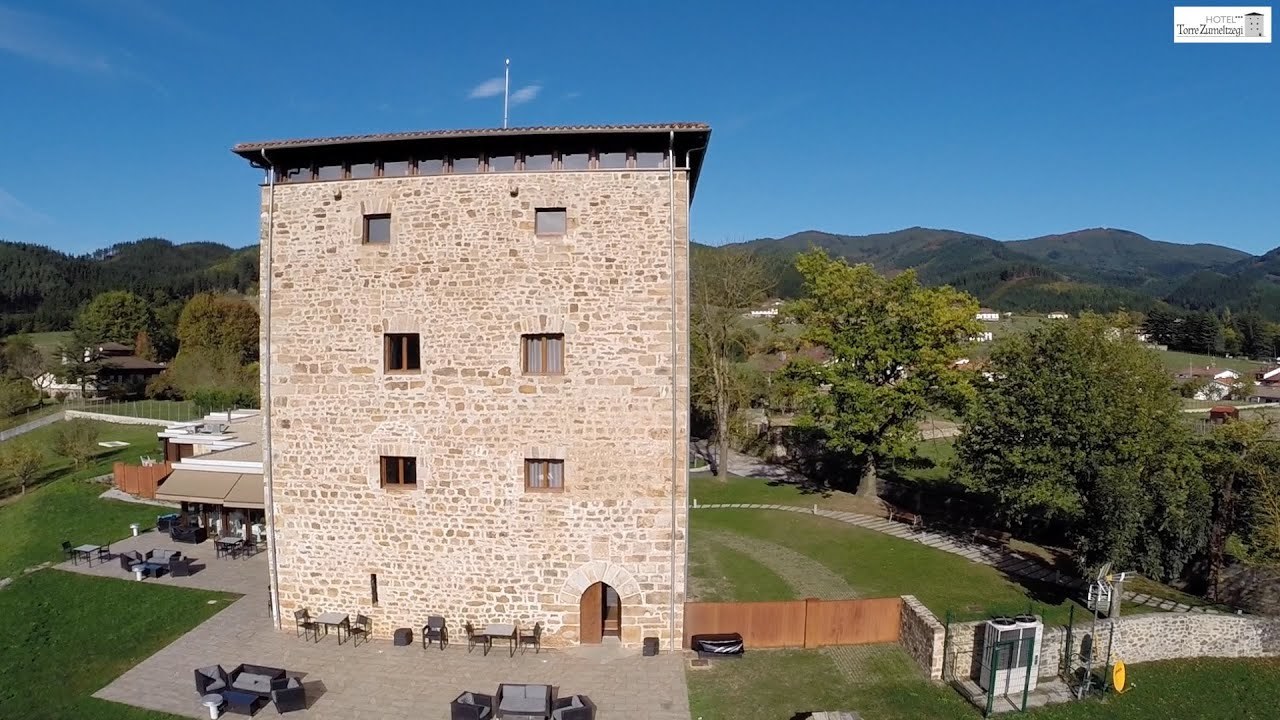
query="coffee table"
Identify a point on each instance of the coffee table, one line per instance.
(242, 703)
(213, 701)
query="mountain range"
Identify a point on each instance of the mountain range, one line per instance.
(1100, 269)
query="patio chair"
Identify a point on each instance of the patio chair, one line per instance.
(129, 559)
(293, 696)
(305, 624)
(212, 679)
(179, 566)
(435, 631)
(533, 638)
(104, 553)
(68, 552)
(574, 707)
(474, 638)
(361, 628)
(471, 706)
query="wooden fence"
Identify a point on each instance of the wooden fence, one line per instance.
(799, 623)
(140, 480)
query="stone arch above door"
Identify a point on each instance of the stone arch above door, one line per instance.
(596, 571)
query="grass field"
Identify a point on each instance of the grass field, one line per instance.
(1176, 361)
(141, 438)
(46, 342)
(33, 413)
(881, 682)
(68, 635)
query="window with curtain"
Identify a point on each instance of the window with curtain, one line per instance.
(543, 354)
(544, 474)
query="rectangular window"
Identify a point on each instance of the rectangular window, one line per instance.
(292, 175)
(465, 164)
(537, 163)
(401, 352)
(377, 229)
(651, 160)
(329, 172)
(549, 221)
(399, 471)
(574, 161)
(395, 168)
(611, 160)
(430, 166)
(543, 354)
(544, 474)
(373, 588)
(502, 163)
(360, 171)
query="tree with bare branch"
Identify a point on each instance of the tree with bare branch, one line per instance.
(724, 286)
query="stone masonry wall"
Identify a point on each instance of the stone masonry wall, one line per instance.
(922, 636)
(1138, 639)
(465, 270)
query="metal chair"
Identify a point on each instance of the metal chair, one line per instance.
(474, 638)
(533, 638)
(302, 619)
(435, 631)
(361, 628)
(104, 553)
(68, 552)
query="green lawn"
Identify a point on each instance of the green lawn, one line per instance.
(68, 635)
(882, 683)
(141, 438)
(879, 565)
(46, 342)
(719, 573)
(1176, 361)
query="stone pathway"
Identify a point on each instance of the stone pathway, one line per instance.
(806, 576)
(1002, 559)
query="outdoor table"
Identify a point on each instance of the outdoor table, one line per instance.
(334, 619)
(225, 545)
(503, 631)
(213, 702)
(86, 551)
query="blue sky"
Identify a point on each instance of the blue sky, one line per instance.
(1005, 120)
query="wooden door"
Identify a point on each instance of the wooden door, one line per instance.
(591, 615)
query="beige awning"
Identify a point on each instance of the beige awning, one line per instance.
(197, 486)
(246, 493)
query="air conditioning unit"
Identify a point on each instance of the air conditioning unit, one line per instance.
(1012, 646)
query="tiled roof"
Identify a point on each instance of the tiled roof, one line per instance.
(253, 147)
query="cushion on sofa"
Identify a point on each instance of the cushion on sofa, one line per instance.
(467, 699)
(252, 682)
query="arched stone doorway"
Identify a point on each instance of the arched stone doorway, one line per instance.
(599, 613)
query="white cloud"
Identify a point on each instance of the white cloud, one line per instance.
(13, 209)
(32, 37)
(525, 94)
(486, 89)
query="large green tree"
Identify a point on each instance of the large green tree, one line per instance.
(117, 316)
(891, 345)
(1242, 464)
(1078, 429)
(724, 285)
(218, 350)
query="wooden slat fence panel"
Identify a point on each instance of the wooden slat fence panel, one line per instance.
(761, 624)
(852, 622)
(799, 623)
(139, 480)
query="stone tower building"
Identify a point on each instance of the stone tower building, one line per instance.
(475, 376)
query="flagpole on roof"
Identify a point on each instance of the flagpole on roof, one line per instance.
(506, 89)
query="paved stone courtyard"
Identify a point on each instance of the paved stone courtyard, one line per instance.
(374, 679)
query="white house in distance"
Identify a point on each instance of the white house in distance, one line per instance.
(770, 310)
(987, 315)
(1218, 382)
(1058, 315)
(981, 337)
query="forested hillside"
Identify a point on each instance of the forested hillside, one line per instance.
(42, 289)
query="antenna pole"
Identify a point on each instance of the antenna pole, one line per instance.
(506, 91)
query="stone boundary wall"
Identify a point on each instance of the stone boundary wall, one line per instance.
(25, 428)
(922, 636)
(118, 419)
(1137, 639)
